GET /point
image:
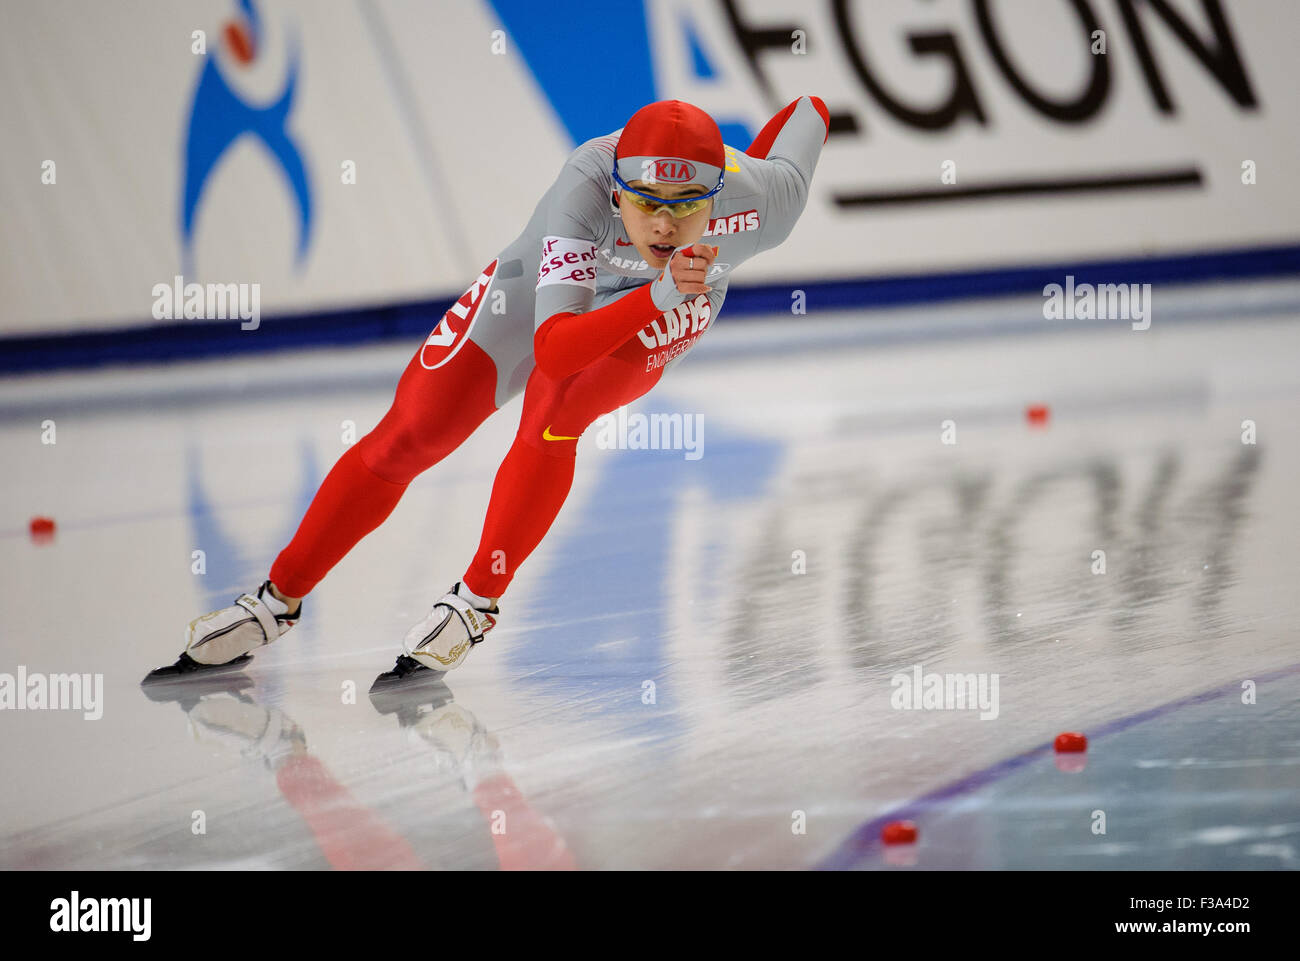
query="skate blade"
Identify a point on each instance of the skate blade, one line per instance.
(188, 669)
(407, 673)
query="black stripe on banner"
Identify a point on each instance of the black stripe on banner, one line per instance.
(1159, 179)
(842, 123)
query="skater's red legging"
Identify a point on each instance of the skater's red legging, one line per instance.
(535, 477)
(433, 413)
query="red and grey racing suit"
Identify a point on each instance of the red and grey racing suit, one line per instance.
(570, 314)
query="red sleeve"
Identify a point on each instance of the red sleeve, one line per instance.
(767, 136)
(566, 343)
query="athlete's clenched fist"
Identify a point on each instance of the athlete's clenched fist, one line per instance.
(690, 266)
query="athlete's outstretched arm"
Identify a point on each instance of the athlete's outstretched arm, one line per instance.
(765, 144)
(568, 341)
(792, 143)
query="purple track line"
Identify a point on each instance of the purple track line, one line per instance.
(865, 840)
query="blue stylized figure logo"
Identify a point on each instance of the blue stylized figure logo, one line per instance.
(218, 118)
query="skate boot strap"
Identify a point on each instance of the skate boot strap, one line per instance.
(258, 608)
(477, 623)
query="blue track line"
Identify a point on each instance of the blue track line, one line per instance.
(865, 841)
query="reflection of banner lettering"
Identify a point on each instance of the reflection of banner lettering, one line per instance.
(990, 547)
(997, 541)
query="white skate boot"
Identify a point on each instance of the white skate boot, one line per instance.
(224, 638)
(443, 639)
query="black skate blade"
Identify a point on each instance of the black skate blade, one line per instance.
(406, 674)
(188, 669)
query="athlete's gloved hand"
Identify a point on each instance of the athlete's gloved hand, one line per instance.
(684, 277)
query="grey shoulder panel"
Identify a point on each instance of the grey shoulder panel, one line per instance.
(570, 221)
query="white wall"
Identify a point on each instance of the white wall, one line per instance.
(454, 143)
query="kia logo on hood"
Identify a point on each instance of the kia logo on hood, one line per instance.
(674, 171)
